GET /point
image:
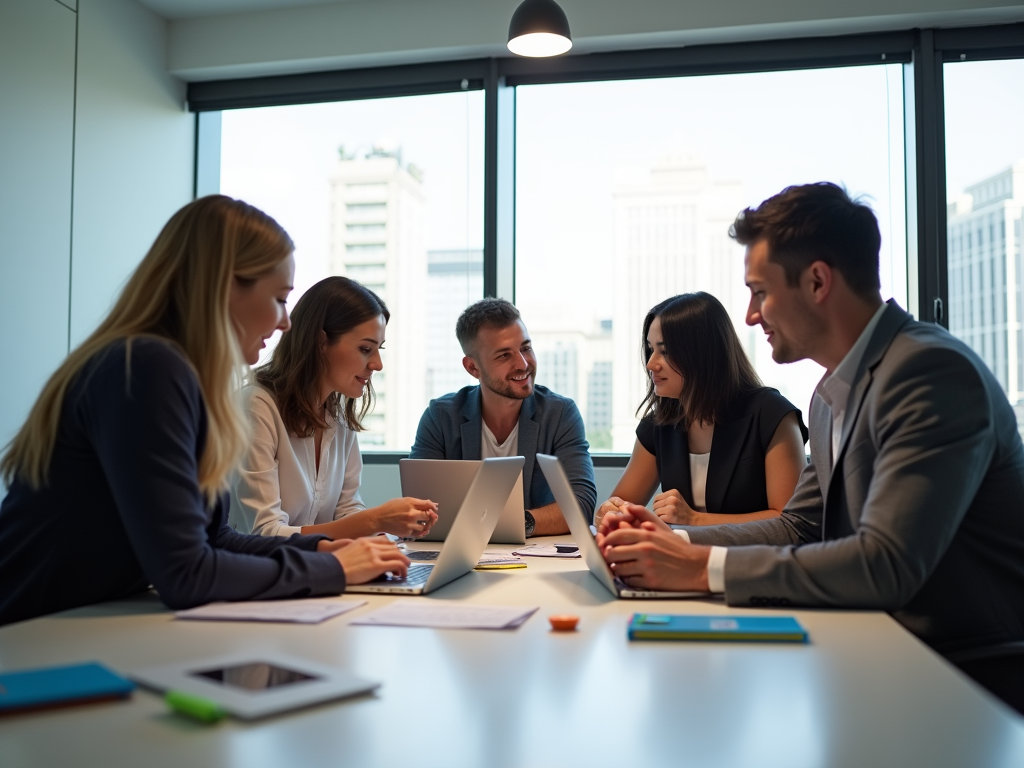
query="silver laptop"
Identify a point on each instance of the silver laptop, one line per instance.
(474, 523)
(585, 540)
(447, 483)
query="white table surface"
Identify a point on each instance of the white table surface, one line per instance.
(863, 693)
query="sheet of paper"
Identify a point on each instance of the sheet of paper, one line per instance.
(415, 612)
(546, 550)
(294, 611)
(497, 557)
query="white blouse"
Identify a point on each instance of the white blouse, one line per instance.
(278, 489)
(699, 479)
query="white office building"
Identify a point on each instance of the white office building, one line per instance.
(455, 279)
(985, 275)
(378, 239)
(671, 237)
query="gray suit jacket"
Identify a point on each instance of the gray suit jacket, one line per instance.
(548, 423)
(923, 513)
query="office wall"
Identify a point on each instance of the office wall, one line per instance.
(134, 147)
(37, 88)
(96, 151)
(363, 33)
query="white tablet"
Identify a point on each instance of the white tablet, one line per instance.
(254, 685)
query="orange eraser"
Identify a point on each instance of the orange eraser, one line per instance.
(564, 623)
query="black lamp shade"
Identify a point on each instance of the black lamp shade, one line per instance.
(538, 16)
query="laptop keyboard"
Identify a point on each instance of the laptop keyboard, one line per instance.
(417, 575)
(422, 554)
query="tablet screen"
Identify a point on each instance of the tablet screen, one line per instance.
(254, 676)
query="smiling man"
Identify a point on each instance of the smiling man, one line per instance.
(508, 415)
(913, 501)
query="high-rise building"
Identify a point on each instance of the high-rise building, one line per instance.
(455, 279)
(379, 240)
(578, 365)
(985, 275)
(671, 237)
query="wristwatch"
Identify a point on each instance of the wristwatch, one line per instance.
(530, 523)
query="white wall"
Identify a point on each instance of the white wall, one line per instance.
(134, 151)
(37, 86)
(380, 32)
(96, 152)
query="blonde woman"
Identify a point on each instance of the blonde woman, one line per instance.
(117, 479)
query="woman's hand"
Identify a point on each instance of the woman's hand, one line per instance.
(407, 517)
(614, 504)
(671, 507)
(365, 559)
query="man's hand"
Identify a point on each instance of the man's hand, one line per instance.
(651, 556)
(629, 516)
(671, 507)
(365, 559)
(614, 504)
(406, 517)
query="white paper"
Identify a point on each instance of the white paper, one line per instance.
(294, 611)
(416, 612)
(546, 550)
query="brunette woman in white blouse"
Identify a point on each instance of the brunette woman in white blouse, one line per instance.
(302, 471)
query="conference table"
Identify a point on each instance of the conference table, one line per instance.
(863, 692)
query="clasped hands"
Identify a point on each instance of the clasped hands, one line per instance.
(644, 552)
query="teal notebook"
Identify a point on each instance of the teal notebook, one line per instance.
(661, 626)
(31, 689)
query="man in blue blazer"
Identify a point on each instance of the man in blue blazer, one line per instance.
(913, 501)
(508, 415)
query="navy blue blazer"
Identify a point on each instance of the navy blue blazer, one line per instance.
(123, 510)
(548, 423)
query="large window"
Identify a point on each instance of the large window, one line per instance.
(388, 192)
(984, 118)
(625, 192)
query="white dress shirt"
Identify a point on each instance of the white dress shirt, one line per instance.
(278, 489)
(835, 391)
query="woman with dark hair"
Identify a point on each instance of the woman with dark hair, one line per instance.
(302, 471)
(724, 448)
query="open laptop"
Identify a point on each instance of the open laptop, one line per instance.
(447, 482)
(476, 518)
(585, 540)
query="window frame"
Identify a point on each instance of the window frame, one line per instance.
(921, 51)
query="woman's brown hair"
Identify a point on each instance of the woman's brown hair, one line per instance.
(297, 369)
(702, 346)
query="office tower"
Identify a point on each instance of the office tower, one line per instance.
(671, 237)
(455, 279)
(378, 239)
(985, 275)
(577, 365)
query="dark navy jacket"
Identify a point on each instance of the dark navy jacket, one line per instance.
(122, 509)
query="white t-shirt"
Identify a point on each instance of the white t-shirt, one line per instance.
(278, 489)
(489, 448)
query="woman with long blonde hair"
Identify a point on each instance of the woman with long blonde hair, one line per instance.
(118, 478)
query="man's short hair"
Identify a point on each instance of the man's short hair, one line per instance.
(816, 222)
(486, 313)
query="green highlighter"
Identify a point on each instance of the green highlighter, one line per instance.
(195, 707)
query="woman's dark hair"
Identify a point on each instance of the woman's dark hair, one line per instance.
(298, 365)
(701, 345)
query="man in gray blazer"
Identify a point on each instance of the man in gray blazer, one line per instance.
(913, 501)
(507, 415)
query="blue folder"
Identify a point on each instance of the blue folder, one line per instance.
(661, 626)
(46, 687)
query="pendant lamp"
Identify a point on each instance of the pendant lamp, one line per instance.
(539, 28)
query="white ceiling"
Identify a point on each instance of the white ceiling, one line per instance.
(190, 9)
